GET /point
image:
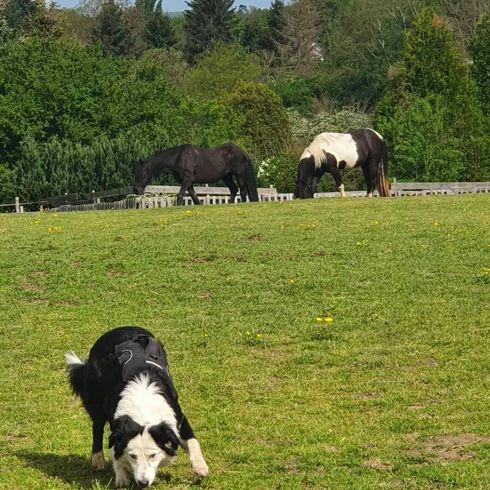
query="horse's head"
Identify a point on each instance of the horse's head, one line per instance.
(307, 178)
(142, 177)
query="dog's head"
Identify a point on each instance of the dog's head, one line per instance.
(142, 449)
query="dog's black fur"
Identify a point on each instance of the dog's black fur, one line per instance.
(99, 382)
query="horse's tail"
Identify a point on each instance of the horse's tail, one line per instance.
(382, 175)
(251, 181)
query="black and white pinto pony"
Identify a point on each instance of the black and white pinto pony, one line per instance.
(334, 152)
(189, 164)
(126, 381)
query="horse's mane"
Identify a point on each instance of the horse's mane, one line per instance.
(319, 146)
(164, 152)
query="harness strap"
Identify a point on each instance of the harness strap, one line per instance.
(138, 353)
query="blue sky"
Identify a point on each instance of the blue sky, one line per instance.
(179, 5)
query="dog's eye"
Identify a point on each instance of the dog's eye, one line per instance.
(132, 456)
(152, 456)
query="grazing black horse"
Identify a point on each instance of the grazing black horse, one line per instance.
(189, 164)
(333, 152)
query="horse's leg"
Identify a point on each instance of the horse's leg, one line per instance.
(193, 195)
(370, 171)
(180, 196)
(337, 176)
(228, 180)
(242, 183)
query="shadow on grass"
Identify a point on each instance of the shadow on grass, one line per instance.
(70, 468)
(75, 470)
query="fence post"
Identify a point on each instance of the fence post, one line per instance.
(17, 205)
(273, 193)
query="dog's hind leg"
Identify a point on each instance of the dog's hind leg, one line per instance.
(192, 446)
(97, 458)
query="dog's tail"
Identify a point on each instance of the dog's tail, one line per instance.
(76, 370)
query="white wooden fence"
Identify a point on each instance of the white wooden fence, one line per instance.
(164, 196)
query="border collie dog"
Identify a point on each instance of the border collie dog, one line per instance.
(125, 381)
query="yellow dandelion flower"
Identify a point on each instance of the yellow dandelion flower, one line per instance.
(328, 319)
(318, 319)
(259, 335)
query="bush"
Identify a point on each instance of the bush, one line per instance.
(220, 70)
(299, 93)
(7, 184)
(305, 129)
(263, 122)
(279, 171)
(481, 64)
(167, 64)
(422, 149)
(62, 103)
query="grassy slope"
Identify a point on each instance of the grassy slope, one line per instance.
(278, 399)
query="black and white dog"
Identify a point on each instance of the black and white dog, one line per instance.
(126, 382)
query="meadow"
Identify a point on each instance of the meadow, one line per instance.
(318, 344)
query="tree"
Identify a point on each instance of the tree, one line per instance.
(110, 30)
(159, 32)
(480, 52)
(207, 22)
(135, 25)
(275, 26)
(435, 74)
(19, 13)
(301, 35)
(30, 17)
(253, 27)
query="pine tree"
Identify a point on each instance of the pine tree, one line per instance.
(207, 22)
(159, 33)
(110, 30)
(276, 24)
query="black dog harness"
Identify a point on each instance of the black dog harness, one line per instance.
(140, 353)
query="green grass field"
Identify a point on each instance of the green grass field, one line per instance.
(393, 393)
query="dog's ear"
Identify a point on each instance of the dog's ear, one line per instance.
(165, 437)
(123, 429)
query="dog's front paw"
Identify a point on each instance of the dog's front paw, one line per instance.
(200, 467)
(97, 461)
(122, 480)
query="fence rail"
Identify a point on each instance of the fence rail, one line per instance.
(164, 196)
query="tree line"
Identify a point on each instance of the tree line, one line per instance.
(86, 92)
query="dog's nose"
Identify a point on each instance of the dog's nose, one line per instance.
(143, 483)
